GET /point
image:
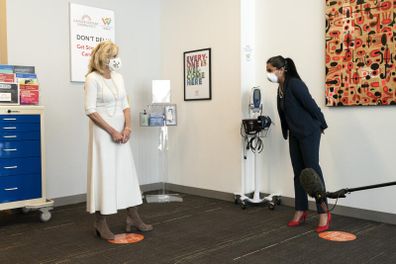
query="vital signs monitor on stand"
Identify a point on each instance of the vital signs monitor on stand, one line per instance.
(253, 129)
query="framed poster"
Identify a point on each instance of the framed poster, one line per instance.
(197, 75)
(88, 27)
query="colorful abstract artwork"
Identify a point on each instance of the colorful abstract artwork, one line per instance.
(360, 52)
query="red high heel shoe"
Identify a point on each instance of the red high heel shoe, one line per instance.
(298, 222)
(326, 226)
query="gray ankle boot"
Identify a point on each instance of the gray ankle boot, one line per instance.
(101, 227)
(133, 219)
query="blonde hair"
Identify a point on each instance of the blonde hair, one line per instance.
(100, 56)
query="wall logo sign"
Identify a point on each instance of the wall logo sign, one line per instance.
(85, 21)
(106, 21)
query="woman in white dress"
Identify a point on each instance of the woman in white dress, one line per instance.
(112, 178)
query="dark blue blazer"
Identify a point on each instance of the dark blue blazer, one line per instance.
(300, 114)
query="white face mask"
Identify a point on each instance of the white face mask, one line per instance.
(115, 64)
(272, 77)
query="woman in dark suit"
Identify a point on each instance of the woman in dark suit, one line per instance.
(303, 122)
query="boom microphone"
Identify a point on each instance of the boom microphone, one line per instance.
(342, 193)
(312, 184)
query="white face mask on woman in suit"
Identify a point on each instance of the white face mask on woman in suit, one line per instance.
(272, 77)
(274, 74)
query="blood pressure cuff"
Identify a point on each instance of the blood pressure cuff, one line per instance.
(254, 126)
(264, 121)
(251, 126)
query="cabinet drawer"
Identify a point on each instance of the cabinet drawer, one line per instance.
(20, 166)
(16, 149)
(19, 127)
(18, 135)
(19, 119)
(23, 187)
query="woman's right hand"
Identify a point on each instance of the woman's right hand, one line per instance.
(117, 136)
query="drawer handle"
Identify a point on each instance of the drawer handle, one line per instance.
(12, 111)
(12, 136)
(11, 189)
(10, 167)
(9, 150)
(9, 119)
(9, 128)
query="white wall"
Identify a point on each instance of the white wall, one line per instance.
(205, 146)
(358, 147)
(38, 34)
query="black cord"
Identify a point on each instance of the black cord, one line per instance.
(326, 207)
(256, 144)
(334, 206)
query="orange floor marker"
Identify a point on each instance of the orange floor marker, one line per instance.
(337, 236)
(128, 238)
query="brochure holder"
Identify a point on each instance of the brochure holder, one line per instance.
(161, 115)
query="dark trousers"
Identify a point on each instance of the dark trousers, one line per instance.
(304, 153)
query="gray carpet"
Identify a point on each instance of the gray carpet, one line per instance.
(198, 231)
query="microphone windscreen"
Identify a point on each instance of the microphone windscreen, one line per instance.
(311, 182)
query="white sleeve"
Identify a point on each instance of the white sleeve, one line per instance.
(125, 103)
(90, 94)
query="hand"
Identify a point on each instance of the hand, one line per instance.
(117, 136)
(126, 134)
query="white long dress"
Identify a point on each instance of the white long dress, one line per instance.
(112, 178)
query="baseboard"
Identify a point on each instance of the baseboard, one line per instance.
(200, 192)
(67, 200)
(151, 187)
(339, 210)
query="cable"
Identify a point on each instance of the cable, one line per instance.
(253, 140)
(256, 144)
(334, 206)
